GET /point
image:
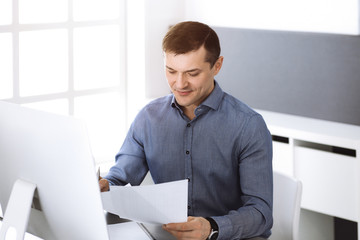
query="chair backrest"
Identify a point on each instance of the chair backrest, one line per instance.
(286, 207)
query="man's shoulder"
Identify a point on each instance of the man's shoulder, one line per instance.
(238, 106)
(246, 116)
(161, 102)
(156, 106)
(153, 110)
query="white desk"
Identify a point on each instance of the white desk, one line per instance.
(325, 156)
(125, 229)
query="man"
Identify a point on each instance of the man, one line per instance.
(201, 133)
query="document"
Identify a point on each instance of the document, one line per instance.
(157, 204)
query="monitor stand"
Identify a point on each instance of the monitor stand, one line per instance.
(17, 213)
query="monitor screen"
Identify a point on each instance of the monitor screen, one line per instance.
(53, 152)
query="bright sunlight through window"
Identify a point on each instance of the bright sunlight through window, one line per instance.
(67, 57)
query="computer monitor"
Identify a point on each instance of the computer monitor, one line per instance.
(53, 152)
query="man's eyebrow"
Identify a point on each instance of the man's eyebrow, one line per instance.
(187, 71)
(193, 70)
(169, 68)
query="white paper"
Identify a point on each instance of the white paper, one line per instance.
(158, 204)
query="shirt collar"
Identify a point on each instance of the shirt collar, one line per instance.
(213, 100)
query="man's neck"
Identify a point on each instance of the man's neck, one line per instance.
(189, 112)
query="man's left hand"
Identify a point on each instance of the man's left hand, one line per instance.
(195, 228)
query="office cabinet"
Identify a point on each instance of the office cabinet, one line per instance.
(282, 152)
(325, 156)
(329, 182)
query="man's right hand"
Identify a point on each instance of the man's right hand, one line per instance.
(104, 184)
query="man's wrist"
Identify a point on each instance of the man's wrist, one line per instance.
(214, 231)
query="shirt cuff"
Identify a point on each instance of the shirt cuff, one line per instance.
(225, 227)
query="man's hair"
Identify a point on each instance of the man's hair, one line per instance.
(189, 36)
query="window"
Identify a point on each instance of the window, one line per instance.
(67, 57)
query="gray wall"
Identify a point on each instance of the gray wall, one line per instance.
(307, 74)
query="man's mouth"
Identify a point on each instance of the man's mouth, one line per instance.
(183, 92)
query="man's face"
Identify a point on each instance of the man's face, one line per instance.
(190, 78)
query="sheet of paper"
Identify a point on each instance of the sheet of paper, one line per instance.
(158, 204)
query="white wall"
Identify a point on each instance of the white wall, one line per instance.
(135, 57)
(329, 16)
(147, 23)
(160, 15)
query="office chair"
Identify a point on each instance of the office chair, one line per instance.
(286, 207)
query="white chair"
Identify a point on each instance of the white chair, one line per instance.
(286, 207)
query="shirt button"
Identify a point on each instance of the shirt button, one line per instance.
(188, 125)
(189, 207)
(187, 152)
(188, 179)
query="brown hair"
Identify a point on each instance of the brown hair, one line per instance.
(189, 36)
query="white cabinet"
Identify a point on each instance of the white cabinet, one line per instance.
(329, 182)
(325, 156)
(282, 155)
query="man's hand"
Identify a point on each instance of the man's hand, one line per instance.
(104, 184)
(195, 228)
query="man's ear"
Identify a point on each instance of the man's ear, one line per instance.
(218, 65)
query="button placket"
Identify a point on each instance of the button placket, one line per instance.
(188, 164)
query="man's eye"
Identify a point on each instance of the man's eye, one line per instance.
(171, 72)
(193, 74)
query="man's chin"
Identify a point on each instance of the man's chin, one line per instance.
(182, 102)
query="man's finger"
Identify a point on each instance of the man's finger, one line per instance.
(104, 185)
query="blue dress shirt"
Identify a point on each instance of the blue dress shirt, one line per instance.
(225, 152)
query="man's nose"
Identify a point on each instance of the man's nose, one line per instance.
(181, 81)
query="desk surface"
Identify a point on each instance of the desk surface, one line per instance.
(155, 232)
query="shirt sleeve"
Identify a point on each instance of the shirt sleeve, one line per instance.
(254, 217)
(130, 166)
